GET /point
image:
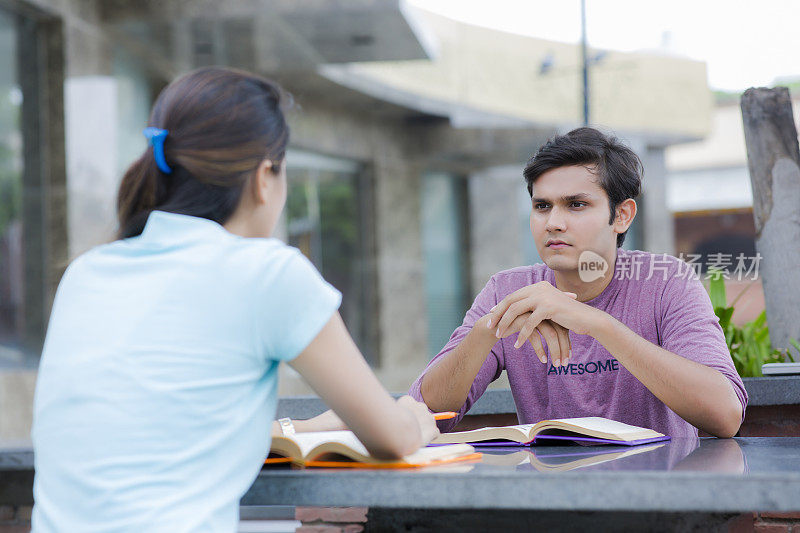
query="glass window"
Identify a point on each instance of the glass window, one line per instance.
(12, 311)
(325, 220)
(445, 244)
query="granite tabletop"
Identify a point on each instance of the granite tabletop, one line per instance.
(706, 475)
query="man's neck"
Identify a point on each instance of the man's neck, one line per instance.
(570, 281)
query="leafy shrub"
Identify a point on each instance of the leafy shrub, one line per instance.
(749, 344)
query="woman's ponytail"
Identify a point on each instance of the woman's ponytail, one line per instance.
(138, 195)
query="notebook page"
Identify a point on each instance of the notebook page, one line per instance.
(602, 424)
(308, 440)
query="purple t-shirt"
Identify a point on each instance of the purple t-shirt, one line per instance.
(659, 297)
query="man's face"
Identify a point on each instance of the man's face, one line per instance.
(569, 215)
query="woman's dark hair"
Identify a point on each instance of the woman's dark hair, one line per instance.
(619, 168)
(222, 124)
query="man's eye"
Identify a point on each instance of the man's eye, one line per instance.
(578, 204)
(540, 206)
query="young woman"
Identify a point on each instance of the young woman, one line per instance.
(157, 386)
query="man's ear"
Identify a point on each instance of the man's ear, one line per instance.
(625, 213)
(263, 182)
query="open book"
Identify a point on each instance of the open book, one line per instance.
(343, 449)
(588, 430)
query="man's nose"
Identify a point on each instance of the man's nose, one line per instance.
(556, 221)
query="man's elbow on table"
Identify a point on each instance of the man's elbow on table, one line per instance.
(727, 420)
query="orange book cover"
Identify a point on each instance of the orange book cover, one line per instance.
(342, 449)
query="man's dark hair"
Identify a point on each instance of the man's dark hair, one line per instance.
(618, 167)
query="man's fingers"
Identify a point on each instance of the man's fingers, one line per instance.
(502, 306)
(527, 330)
(564, 341)
(516, 325)
(506, 319)
(538, 347)
(572, 295)
(551, 338)
(494, 315)
(530, 332)
(514, 310)
(523, 334)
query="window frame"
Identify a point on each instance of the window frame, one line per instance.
(41, 72)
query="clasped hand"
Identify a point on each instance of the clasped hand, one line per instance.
(542, 313)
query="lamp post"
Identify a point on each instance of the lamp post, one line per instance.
(585, 63)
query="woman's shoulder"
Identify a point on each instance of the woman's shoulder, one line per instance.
(266, 251)
(88, 258)
(267, 261)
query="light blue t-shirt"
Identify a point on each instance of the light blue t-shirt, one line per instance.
(158, 381)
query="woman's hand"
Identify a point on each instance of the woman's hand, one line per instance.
(427, 424)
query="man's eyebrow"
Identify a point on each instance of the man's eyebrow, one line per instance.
(566, 199)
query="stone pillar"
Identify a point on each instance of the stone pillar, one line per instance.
(657, 225)
(91, 132)
(402, 317)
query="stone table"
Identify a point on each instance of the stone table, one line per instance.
(681, 484)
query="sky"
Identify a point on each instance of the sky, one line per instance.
(744, 43)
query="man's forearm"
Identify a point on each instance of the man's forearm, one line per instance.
(699, 394)
(446, 384)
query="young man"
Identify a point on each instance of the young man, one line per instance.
(629, 335)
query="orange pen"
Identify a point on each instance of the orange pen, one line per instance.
(445, 415)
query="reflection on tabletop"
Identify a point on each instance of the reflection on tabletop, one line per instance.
(715, 455)
(567, 459)
(699, 455)
(678, 454)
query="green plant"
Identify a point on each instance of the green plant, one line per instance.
(749, 344)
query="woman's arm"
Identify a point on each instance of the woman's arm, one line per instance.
(327, 421)
(335, 369)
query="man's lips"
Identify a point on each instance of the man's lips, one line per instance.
(555, 243)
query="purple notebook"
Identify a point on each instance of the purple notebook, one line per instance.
(542, 439)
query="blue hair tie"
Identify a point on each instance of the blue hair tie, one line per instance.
(156, 137)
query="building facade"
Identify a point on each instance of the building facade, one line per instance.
(408, 141)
